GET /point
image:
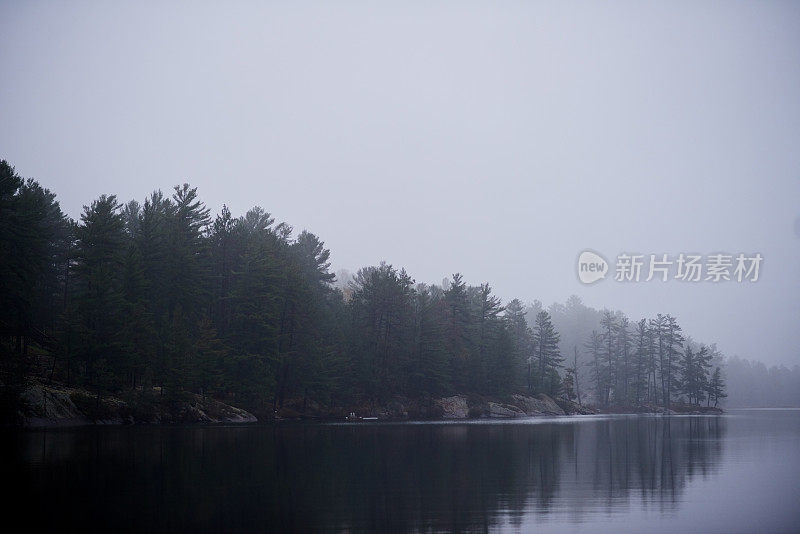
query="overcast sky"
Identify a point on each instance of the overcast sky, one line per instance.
(498, 139)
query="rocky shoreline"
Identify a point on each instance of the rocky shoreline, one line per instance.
(449, 408)
(42, 405)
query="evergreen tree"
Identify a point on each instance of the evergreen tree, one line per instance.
(428, 369)
(694, 369)
(487, 327)
(623, 346)
(35, 239)
(521, 338)
(99, 260)
(716, 387)
(670, 344)
(599, 369)
(608, 355)
(641, 364)
(380, 306)
(548, 355)
(457, 337)
(155, 295)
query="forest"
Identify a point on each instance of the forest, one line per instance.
(159, 297)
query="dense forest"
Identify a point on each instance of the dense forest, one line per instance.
(160, 296)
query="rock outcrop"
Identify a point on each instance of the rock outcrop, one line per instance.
(42, 405)
(45, 406)
(208, 410)
(539, 405)
(499, 410)
(454, 407)
(573, 408)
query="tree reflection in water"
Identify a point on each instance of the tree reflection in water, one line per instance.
(396, 477)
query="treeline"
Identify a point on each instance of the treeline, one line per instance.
(650, 362)
(160, 296)
(753, 384)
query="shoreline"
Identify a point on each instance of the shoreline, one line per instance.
(51, 406)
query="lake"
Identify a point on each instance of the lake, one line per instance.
(734, 473)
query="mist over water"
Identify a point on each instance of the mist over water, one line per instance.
(735, 473)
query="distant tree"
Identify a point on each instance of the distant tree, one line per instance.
(716, 387)
(608, 354)
(574, 371)
(694, 369)
(570, 387)
(641, 367)
(688, 369)
(547, 352)
(623, 346)
(599, 369)
(670, 343)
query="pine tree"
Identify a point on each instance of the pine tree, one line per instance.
(641, 367)
(670, 343)
(716, 387)
(99, 261)
(623, 346)
(381, 305)
(154, 294)
(608, 355)
(255, 299)
(549, 358)
(694, 369)
(599, 369)
(458, 342)
(703, 359)
(35, 237)
(487, 328)
(570, 380)
(428, 370)
(521, 338)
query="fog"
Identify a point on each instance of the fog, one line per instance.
(498, 142)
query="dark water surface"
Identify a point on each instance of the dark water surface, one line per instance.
(735, 473)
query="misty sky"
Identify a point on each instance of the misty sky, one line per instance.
(495, 139)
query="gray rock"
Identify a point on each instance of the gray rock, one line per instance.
(59, 406)
(454, 407)
(538, 405)
(50, 407)
(499, 410)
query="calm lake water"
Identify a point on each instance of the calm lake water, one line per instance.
(735, 473)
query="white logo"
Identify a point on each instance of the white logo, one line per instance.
(634, 267)
(591, 267)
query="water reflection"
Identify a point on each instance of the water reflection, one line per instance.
(389, 478)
